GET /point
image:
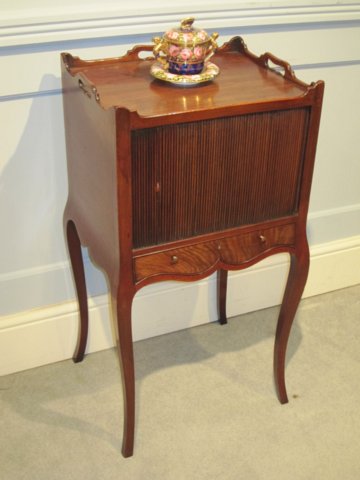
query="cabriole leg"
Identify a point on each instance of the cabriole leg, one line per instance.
(77, 265)
(121, 306)
(299, 268)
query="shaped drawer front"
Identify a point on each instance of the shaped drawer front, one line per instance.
(191, 260)
(232, 251)
(246, 247)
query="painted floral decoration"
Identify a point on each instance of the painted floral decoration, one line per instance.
(186, 49)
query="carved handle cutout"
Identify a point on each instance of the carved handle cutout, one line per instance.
(89, 90)
(139, 52)
(269, 57)
(85, 89)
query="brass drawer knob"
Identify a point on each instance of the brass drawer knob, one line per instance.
(174, 259)
(262, 238)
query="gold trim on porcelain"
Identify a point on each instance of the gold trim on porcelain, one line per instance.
(210, 72)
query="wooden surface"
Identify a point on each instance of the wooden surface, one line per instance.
(232, 253)
(177, 183)
(212, 175)
(244, 81)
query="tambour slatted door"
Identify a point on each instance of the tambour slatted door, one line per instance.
(199, 177)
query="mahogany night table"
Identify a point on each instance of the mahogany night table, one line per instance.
(171, 183)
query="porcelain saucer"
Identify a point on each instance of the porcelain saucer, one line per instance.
(210, 72)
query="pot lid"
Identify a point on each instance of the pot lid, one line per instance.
(187, 35)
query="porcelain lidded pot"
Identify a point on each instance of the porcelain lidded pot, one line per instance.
(186, 49)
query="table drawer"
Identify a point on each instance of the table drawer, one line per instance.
(231, 251)
(244, 248)
(191, 260)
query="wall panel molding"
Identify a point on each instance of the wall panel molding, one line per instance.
(105, 20)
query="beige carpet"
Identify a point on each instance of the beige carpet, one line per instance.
(206, 405)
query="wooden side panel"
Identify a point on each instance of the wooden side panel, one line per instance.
(92, 172)
(194, 178)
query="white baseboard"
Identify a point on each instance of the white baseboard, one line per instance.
(38, 337)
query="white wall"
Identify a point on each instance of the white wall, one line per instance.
(37, 309)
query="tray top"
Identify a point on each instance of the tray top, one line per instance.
(244, 79)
